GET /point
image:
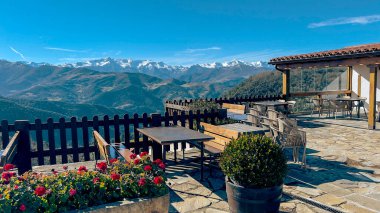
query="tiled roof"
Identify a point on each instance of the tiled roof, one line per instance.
(367, 50)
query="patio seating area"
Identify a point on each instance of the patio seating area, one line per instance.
(343, 171)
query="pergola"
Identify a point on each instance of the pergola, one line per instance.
(362, 64)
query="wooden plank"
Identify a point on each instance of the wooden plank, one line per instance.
(116, 125)
(145, 139)
(39, 142)
(51, 140)
(220, 131)
(235, 108)
(372, 97)
(86, 140)
(4, 133)
(103, 146)
(127, 136)
(215, 145)
(136, 133)
(63, 139)
(218, 139)
(74, 139)
(285, 83)
(349, 78)
(10, 151)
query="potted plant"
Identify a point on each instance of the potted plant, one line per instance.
(255, 167)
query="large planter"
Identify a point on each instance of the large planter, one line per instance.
(148, 205)
(243, 200)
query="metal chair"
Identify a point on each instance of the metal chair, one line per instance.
(317, 106)
(339, 106)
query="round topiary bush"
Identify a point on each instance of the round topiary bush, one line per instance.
(254, 161)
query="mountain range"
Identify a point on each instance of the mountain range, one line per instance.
(110, 86)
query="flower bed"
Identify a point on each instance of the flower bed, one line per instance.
(80, 189)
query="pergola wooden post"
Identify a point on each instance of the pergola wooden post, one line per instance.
(349, 79)
(372, 96)
(285, 83)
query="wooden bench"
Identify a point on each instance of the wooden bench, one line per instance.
(235, 108)
(10, 151)
(222, 137)
(105, 149)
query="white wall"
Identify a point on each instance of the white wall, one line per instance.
(363, 70)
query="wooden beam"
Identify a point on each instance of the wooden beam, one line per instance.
(320, 93)
(349, 78)
(359, 85)
(372, 96)
(285, 83)
(335, 63)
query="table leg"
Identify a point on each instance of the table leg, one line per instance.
(202, 158)
(175, 152)
(164, 153)
(157, 150)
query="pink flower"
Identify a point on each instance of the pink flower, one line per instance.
(113, 160)
(65, 167)
(157, 161)
(136, 161)
(158, 180)
(115, 176)
(102, 166)
(22, 207)
(82, 169)
(72, 192)
(161, 165)
(148, 168)
(40, 190)
(8, 167)
(132, 156)
(142, 182)
(96, 180)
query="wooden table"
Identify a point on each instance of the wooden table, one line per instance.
(245, 129)
(174, 135)
(272, 104)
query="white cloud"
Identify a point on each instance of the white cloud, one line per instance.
(201, 50)
(63, 49)
(17, 52)
(347, 20)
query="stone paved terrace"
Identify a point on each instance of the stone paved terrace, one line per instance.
(343, 172)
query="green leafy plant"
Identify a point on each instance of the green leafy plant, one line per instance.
(81, 188)
(254, 161)
(202, 105)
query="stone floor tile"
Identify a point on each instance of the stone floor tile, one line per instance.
(370, 203)
(330, 199)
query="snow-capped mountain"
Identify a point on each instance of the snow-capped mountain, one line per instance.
(257, 64)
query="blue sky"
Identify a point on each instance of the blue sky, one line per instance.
(181, 31)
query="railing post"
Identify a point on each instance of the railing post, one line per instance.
(24, 159)
(157, 148)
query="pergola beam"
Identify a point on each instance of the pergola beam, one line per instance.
(372, 96)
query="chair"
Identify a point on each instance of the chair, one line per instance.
(10, 150)
(291, 106)
(289, 136)
(360, 104)
(317, 106)
(339, 106)
(105, 149)
(254, 117)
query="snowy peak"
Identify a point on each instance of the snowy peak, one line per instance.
(257, 64)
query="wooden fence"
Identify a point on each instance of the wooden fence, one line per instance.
(183, 105)
(64, 141)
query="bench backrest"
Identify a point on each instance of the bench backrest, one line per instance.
(222, 136)
(10, 151)
(235, 108)
(103, 146)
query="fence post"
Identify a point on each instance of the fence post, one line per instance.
(156, 147)
(24, 159)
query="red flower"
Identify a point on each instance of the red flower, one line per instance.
(40, 190)
(158, 180)
(148, 168)
(132, 156)
(22, 207)
(142, 154)
(8, 167)
(16, 187)
(6, 175)
(55, 172)
(157, 161)
(161, 165)
(142, 182)
(65, 167)
(115, 176)
(96, 180)
(102, 166)
(113, 160)
(72, 192)
(137, 161)
(82, 169)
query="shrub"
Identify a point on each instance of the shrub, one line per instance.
(201, 105)
(254, 161)
(79, 189)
